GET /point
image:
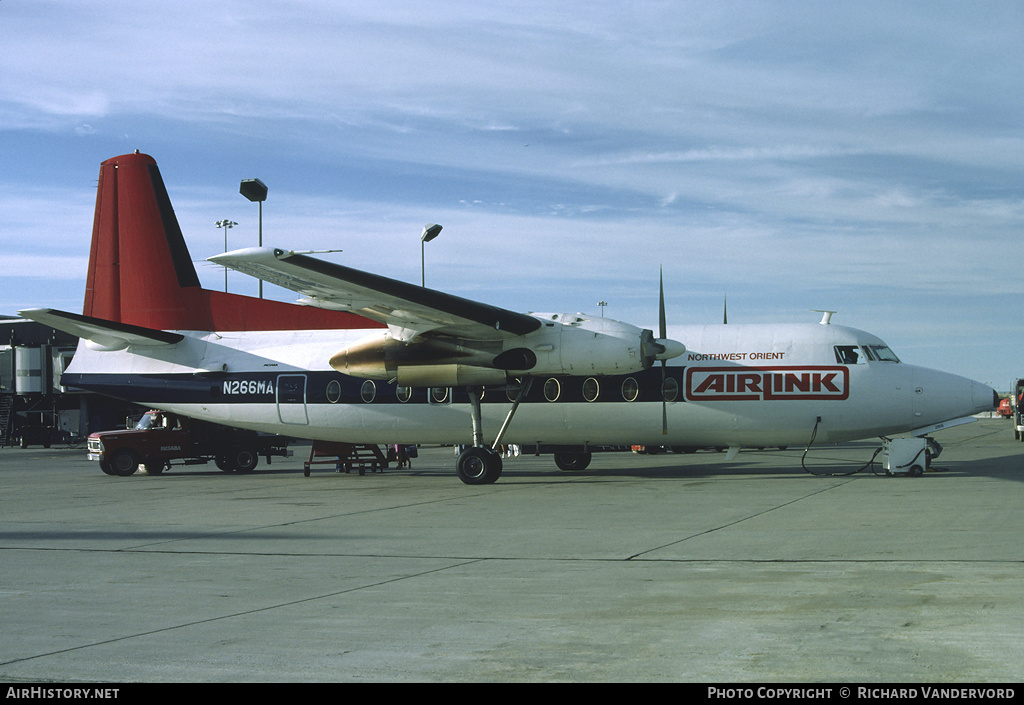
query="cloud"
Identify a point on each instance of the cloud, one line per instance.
(785, 153)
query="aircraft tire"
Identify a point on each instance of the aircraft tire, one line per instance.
(124, 462)
(573, 462)
(478, 466)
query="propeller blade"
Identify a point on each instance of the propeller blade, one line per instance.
(662, 326)
(663, 334)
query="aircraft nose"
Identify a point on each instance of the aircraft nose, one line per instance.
(941, 396)
(985, 398)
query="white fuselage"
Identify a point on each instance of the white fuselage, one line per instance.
(736, 385)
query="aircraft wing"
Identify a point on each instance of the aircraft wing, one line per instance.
(407, 309)
(103, 334)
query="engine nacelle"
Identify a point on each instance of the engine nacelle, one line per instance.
(564, 345)
(581, 345)
(449, 375)
(382, 357)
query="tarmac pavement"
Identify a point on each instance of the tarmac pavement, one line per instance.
(643, 568)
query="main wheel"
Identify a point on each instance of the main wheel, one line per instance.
(572, 461)
(478, 466)
(124, 462)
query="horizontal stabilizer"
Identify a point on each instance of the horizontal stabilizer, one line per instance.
(101, 334)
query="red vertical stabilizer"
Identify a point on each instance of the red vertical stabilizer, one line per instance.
(141, 273)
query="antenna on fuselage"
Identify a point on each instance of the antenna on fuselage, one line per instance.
(826, 316)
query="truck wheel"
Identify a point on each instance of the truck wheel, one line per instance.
(105, 467)
(244, 460)
(154, 467)
(224, 463)
(124, 462)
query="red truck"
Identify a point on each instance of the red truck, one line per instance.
(162, 437)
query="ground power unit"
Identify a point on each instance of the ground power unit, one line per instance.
(906, 456)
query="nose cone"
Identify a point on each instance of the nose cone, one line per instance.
(670, 348)
(940, 396)
(985, 398)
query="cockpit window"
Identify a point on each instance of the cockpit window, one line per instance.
(882, 353)
(848, 355)
(861, 354)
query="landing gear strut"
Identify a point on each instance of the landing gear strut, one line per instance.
(478, 464)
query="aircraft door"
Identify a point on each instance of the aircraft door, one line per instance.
(291, 399)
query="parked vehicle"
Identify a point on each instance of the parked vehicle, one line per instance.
(34, 435)
(160, 438)
(1017, 400)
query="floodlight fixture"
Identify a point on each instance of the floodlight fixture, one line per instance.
(255, 190)
(430, 231)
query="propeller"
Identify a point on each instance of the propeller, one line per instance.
(662, 348)
(663, 335)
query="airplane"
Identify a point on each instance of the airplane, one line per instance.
(366, 359)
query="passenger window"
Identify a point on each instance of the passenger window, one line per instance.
(439, 395)
(368, 391)
(670, 389)
(334, 391)
(630, 389)
(552, 389)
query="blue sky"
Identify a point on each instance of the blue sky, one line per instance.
(866, 157)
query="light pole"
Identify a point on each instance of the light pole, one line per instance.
(430, 231)
(226, 224)
(602, 304)
(255, 190)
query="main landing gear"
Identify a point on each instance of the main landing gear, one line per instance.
(478, 464)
